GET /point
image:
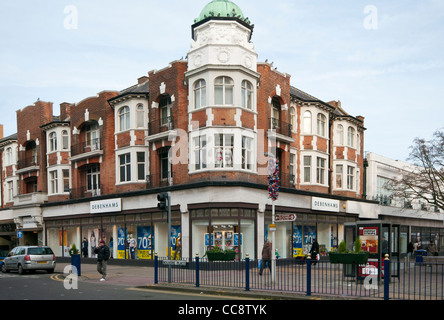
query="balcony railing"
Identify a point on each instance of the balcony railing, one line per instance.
(84, 192)
(84, 147)
(280, 126)
(27, 162)
(161, 125)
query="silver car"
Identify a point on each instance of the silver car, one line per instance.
(30, 258)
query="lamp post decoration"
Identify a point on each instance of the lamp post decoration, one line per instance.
(273, 179)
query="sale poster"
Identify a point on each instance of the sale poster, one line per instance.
(144, 243)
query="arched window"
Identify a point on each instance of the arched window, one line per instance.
(124, 118)
(140, 116)
(340, 134)
(200, 94)
(52, 141)
(247, 94)
(223, 91)
(65, 140)
(351, 137)
(321, 121)
(307, 122)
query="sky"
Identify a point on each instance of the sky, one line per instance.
(384, 60)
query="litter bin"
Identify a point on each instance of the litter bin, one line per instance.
(420, 254)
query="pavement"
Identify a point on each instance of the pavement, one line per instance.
(142, 277)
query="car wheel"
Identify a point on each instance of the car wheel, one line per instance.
(4, 270)
(20, 269)
(50, 270)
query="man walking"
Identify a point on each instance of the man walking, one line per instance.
(102, 252)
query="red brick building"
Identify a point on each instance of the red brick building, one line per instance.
(203, 129)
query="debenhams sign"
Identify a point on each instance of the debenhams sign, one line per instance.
(325, 204)
(102, 206)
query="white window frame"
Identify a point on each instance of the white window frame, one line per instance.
(52, 137)
(200, 94)
(321, 124)
(224, 86)
(321, 170)
(247, 94)
(53, 182)
(124, 115)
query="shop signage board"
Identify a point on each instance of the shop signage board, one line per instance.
(103, 206)
(323, 204)
(285, 217)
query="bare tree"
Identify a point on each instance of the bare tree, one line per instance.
(425, 182)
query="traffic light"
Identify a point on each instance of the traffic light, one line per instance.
(162, 198)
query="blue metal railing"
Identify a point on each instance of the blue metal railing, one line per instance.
(405, 281)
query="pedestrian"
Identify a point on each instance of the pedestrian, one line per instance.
(85, 247)
(266, 256)
(102, 252)
(410, 249)
(314, 251)
(431, 249)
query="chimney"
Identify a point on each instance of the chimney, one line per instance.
(1, 131)
(142, 80)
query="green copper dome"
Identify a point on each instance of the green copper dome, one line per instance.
(220, 8)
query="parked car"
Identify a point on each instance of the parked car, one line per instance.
(30, 258)
(3, 254)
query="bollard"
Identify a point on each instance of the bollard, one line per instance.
(197, 270)
(386, 277)
(308, 259)
(156, 266)
(247, 272)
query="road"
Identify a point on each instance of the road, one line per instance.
(43, 286)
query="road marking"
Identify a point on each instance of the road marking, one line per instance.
(190, 293)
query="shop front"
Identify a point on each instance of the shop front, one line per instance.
(227, 226)
(130, 234)
(296, 228)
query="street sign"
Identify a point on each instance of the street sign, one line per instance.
(19, 234)
(174, 262)
(272, 227)
(285, 217)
